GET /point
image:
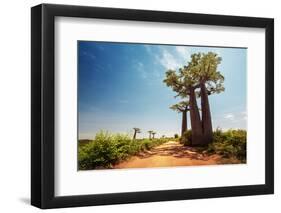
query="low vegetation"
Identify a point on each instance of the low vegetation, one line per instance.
(229, 144)
(186, 138)
(108, 149)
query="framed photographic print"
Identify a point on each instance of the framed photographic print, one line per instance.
(139, 106)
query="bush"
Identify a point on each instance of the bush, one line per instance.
(176, 136)
(186, 138)
(103, 151)
(108, 149)
(232, 143)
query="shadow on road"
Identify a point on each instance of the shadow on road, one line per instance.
(176, 150)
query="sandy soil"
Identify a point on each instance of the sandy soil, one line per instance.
(169, 154)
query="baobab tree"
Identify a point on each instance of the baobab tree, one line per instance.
(136, 130)
(184, 84)
(150, 133)
(182, 107)
(153, 134)
(204, 69)
(199, 78)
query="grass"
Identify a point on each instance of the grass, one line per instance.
(108, 149)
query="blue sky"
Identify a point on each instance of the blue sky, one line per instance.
(120, 86)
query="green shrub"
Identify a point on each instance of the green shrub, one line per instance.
(232, 143)
(176, 136)
(186, 138)
(101, 152)
(108, 149)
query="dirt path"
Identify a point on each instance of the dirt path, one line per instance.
(169, 154)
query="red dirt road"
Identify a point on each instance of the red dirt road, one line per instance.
(167, 155)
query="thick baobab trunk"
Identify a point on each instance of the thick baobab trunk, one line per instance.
(184, 122)
(195, 120)
(206, 115)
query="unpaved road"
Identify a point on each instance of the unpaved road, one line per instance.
(169, 154)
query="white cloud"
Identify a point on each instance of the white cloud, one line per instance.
(183, 52)
(141, 70)
(168, 61)
(244, 115)
(173, 57)
(169, 57)
(88, 54)
(123, 101)
(229, 116)
(148, 48)
(231, 120)
(140, 64)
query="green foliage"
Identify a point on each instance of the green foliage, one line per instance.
(186, 138)
(176, 135)
(181, 106)
(108, 149)
(232, 143)
(202, 68)
(84, 142)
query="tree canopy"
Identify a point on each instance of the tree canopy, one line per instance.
(181, 106)
(198, 79)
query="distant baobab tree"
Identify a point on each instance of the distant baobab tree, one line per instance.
(150, 133)
(182, 107)
(136, 130)
(153, 134)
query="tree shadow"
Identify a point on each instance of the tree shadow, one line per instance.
(177, 151)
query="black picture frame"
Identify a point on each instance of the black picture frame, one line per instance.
(43, 102)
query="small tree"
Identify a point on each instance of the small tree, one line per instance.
(153, 134)
(150, 133)
(136, 130)
(176, 135)
(183, 108)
